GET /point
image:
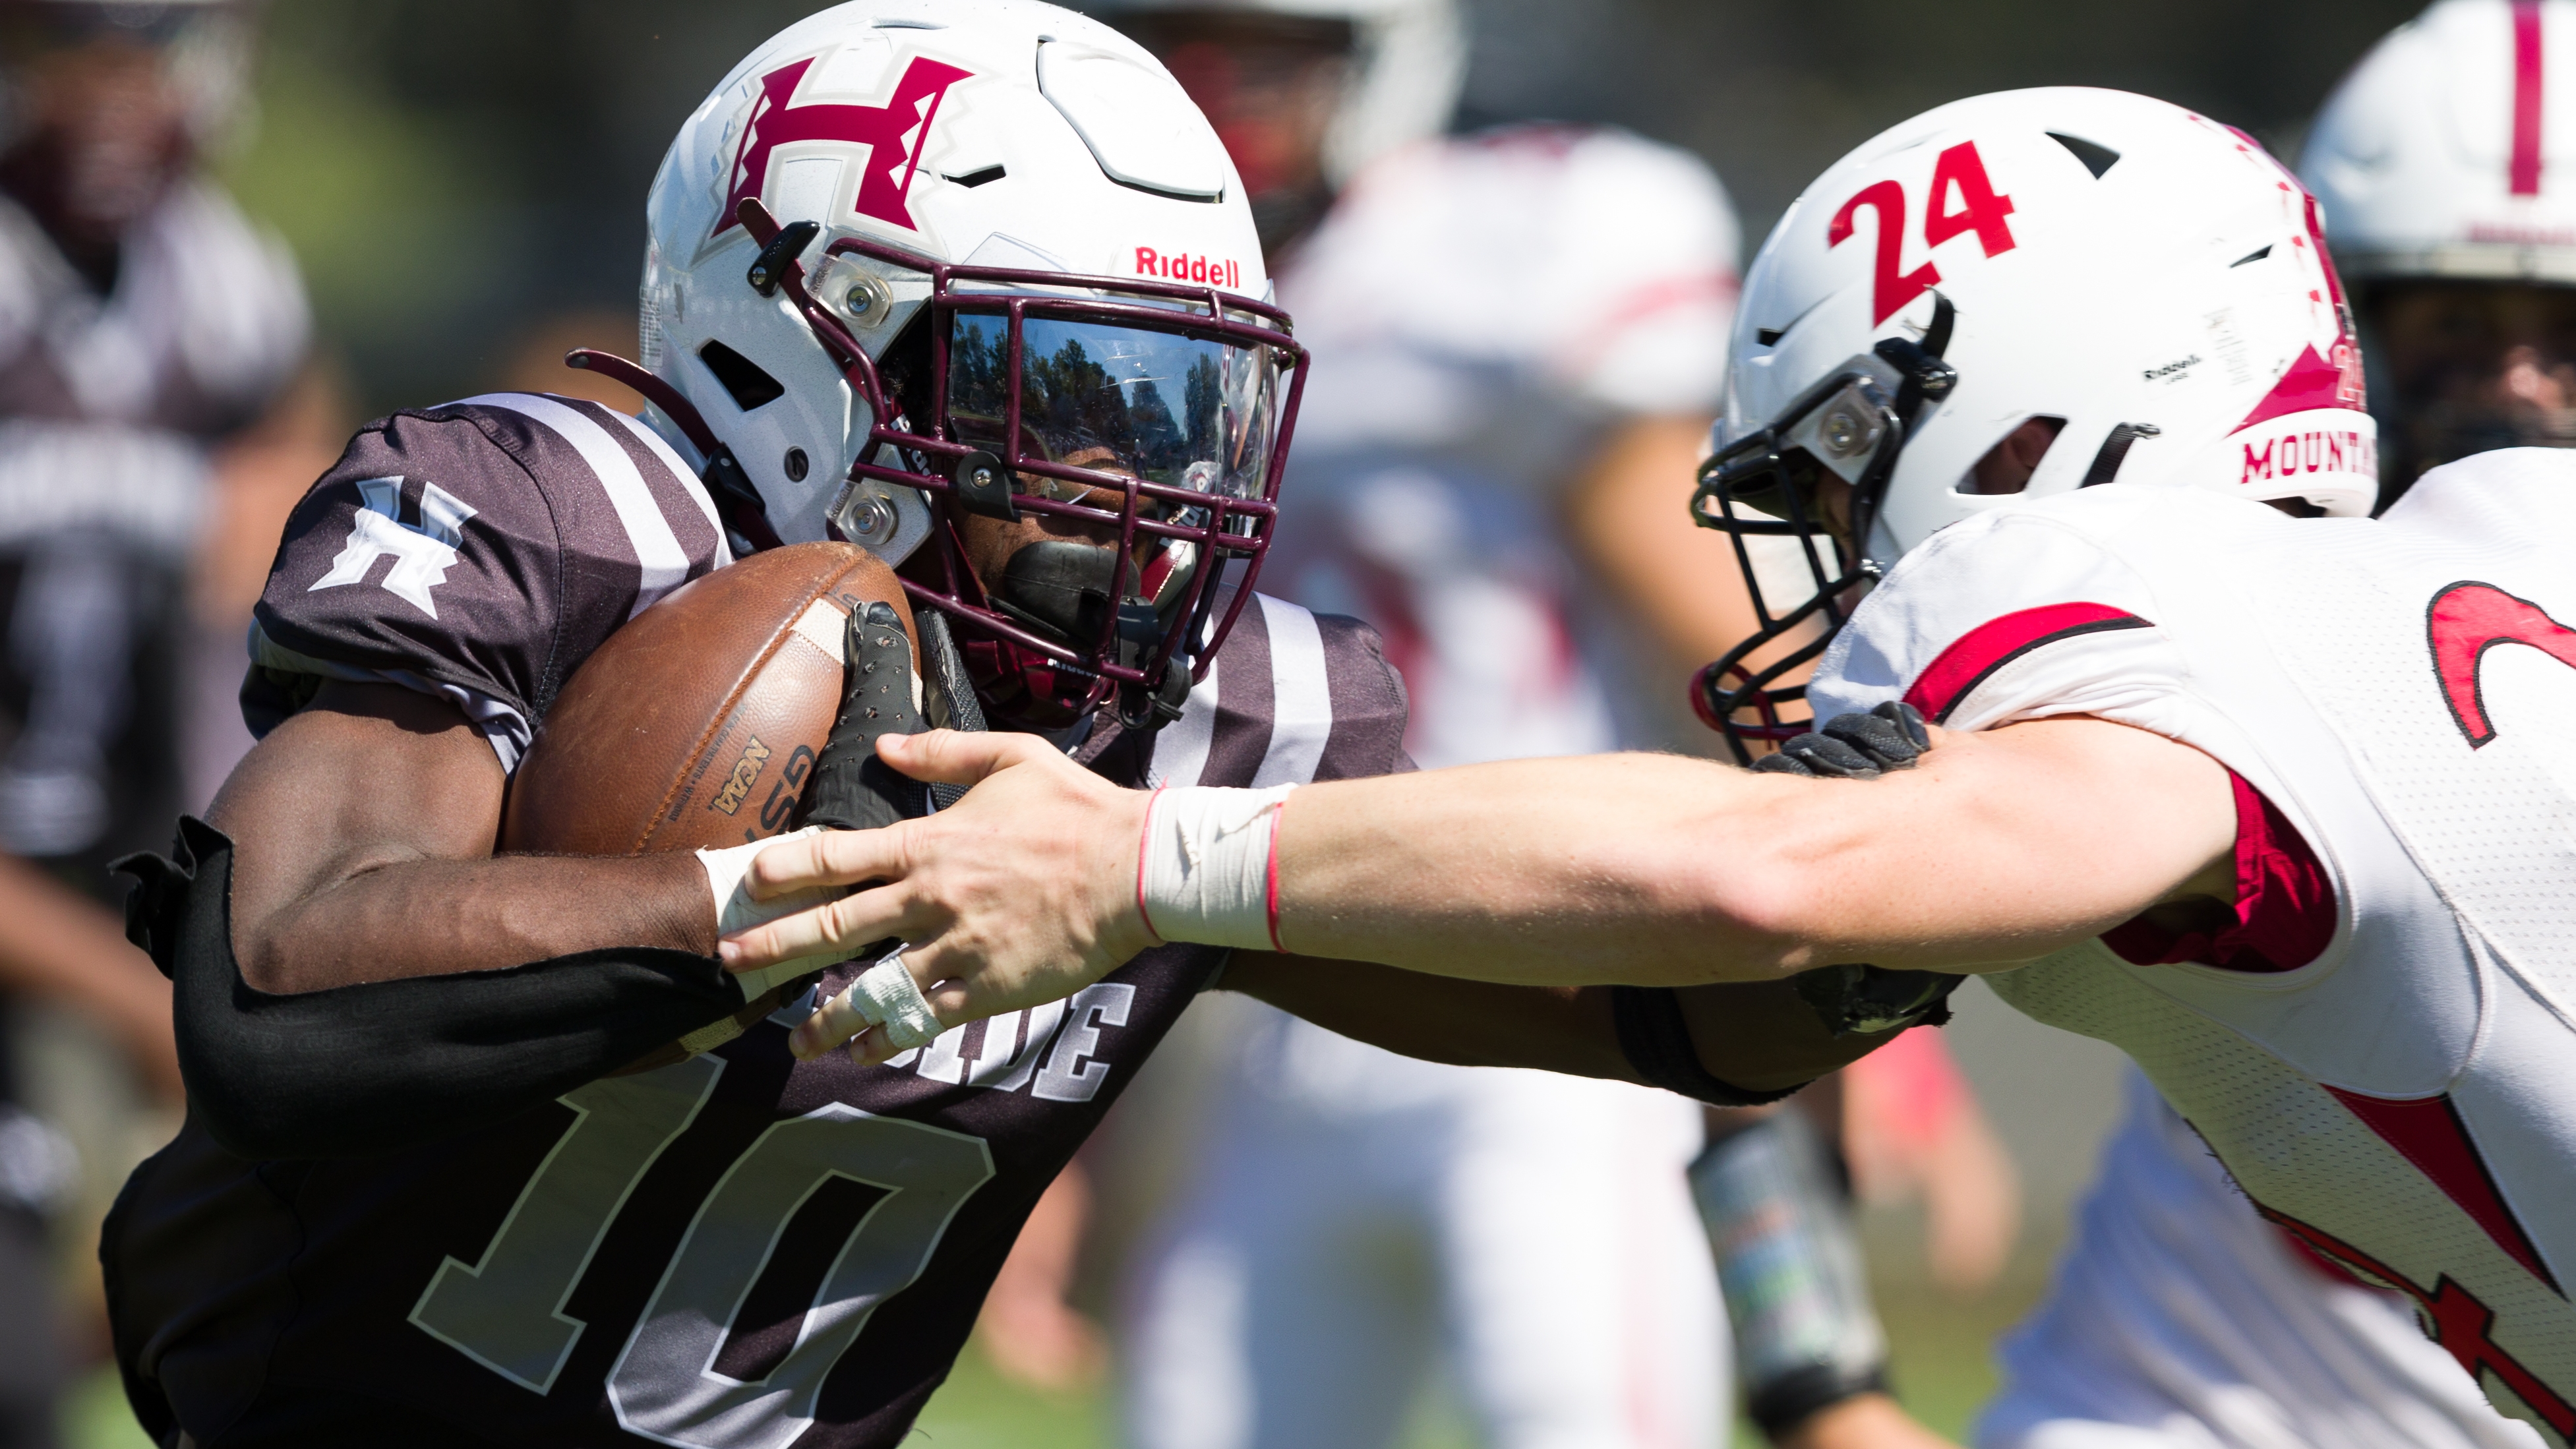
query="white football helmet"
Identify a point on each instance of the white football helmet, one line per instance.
(2149, 279)
(2450, 151)
(1409, 63)
(915, 259)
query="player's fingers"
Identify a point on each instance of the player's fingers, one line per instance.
(848, 923)
(838, 1021)
(871, 1048)
(832, 857)
(958, 757)
(832, 1023)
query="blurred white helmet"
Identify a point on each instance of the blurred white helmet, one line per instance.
(887, 211)
(2450, 151)
(1409, 63)
(2147, 279)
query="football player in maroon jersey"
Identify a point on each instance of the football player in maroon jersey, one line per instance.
(412, 1204)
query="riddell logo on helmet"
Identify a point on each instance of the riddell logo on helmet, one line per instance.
(1151, 263)
(2321, 450)
(888, 131)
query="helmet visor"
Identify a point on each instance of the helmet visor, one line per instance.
(1163, 407)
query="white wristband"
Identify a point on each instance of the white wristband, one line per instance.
(884, 995)
(728, 880)
(1203, 871)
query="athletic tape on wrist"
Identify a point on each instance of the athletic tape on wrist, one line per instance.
(884, 995)
(1206, 871)
(729, 881)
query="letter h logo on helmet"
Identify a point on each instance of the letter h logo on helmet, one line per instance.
(894, 133)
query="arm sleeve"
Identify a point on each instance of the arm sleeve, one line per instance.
(362, 1070)
(1656, 1041)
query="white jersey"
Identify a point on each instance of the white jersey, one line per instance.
(1479, 310)
(2180, 1319)
(2394, 1078)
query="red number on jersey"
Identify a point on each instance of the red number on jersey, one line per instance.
(1893, 288)
(1962, 172)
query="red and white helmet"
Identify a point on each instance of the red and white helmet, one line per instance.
(916, 260)
(2450, 151)
(2149, 279)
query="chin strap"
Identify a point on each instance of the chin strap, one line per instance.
(737, 502)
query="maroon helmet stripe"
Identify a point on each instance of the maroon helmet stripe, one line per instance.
(2525, 172)
(1998, 642)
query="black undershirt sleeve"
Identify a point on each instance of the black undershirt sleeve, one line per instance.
(1657, 1043)
(356, 1071)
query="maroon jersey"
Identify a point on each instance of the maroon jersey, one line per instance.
(740, 1250)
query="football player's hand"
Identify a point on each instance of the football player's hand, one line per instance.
(1021, 893)
(1855, 746)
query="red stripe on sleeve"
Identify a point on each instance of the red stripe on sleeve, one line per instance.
(2525, 171)
(1997, 642)
(2428, 1132)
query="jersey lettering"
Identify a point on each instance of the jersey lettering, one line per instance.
(1052, 1050)
(422, 555)
(2467, 619)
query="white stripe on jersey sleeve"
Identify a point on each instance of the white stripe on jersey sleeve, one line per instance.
(664, 564)
(661, 448)
(1181, 750)
(1301, 696)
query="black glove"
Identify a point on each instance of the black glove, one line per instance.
(1857, 1000)
(1865, 1000)
(852, 789)
(1855, 746)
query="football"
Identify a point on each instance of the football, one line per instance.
(696, 724)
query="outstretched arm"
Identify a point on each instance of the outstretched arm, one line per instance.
(1760, 1037)
(1639, 869)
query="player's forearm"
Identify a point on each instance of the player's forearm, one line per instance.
(363, 831)
(1617, 868)
(1758, 1036)
(1441, 1019)
(438, 917)
(1651, 870)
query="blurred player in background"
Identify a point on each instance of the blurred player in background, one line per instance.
(2446, 169)
(1519, 340)
(142, 322)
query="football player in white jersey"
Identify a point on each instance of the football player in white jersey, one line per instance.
(1473, 480)
(2272, 802)
(2179, 1317)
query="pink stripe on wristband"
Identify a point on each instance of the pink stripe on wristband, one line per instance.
(1145, 842)
(1270, 888)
